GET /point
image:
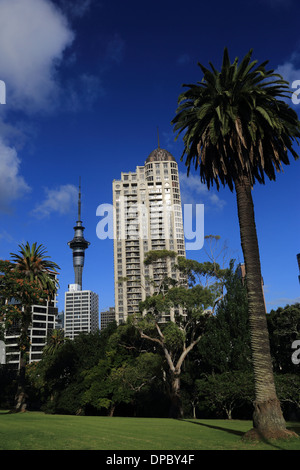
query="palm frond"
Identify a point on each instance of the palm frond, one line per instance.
(235, 121)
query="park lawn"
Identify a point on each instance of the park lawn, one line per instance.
(38, 431)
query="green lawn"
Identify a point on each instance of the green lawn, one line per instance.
(37, 431)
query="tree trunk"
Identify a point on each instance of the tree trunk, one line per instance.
(176, 411)
(111, 411)
(194, 411)
(21, 396)
(268, 421)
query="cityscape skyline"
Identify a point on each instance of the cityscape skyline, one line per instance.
(99, 83)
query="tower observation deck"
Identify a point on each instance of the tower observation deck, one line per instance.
(78, 245)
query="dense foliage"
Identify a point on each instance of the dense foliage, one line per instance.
(117, 372)
(131, 369)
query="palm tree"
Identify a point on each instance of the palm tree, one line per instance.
(33, 265)
(238, 129)
(36, 266)
(55, 340)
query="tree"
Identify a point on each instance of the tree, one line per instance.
(226, 344)
(18, 294)
(55, 340)
(224, 393)
(125, 370)
(237, 130)
(179, 337)
(57, 380)
(284, 327)
(30, 278)
(288, 386)
(36, 266)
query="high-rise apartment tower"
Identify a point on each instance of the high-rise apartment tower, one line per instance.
(148, 216)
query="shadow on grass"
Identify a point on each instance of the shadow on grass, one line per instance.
(294, 427)
(219, 428)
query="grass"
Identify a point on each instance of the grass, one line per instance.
(37, 431)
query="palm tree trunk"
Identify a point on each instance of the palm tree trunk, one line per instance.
(21, 396)
(268, 419)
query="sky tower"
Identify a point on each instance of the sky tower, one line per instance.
(78, 245)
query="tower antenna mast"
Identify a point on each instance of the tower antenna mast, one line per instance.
(79, 199)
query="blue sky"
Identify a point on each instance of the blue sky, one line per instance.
(87, 84)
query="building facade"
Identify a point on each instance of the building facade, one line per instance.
(43, 322)
(107, 316)
(147, 216)
(81, 311)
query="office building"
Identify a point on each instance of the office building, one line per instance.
(59, 320)
(107, 316)
(147, 216)
(81, 311)
(43, 322)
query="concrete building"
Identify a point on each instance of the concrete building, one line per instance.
(147, 216)
(43, 322)
(107, 316)
(81, 311)
(59, 320)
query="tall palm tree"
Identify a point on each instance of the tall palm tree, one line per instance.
(32, 264)
(237, 130)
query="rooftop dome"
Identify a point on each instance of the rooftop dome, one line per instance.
(160, 155)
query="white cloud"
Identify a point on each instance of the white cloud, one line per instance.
(290, 71)
(195, 192)
(283, 301)
(61, 200)
(33, 36)
(12, 184)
